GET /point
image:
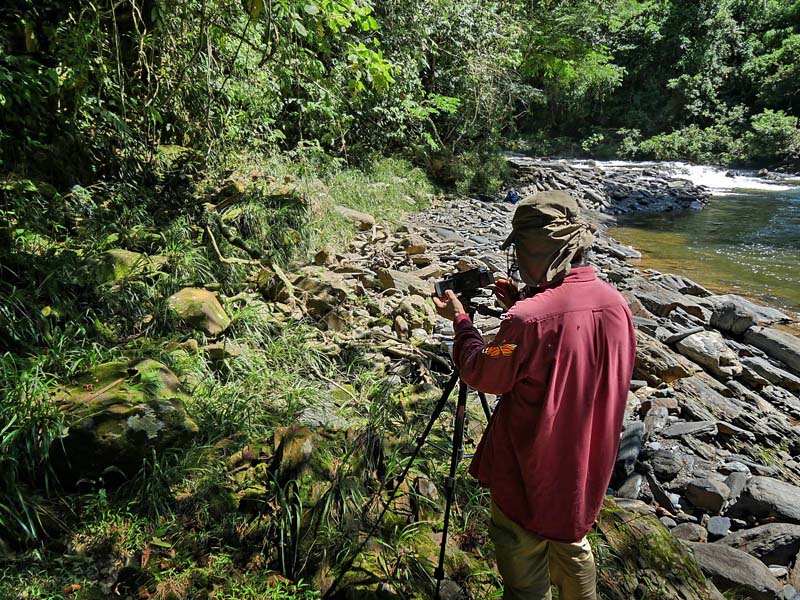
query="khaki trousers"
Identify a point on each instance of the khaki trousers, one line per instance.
(528, 564)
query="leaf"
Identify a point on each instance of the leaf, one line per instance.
(311, 9)
(160, 543)
(300, 28)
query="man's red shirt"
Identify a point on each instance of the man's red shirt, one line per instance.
(562, 361)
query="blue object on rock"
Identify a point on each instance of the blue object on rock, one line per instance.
(512, 196)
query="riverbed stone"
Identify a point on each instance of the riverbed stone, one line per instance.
(407, 283)
(656, 363)
(200, 309)
(661, 300)
(707, 494)
(737, 571)
(733, 314)
(771, 373)
(718, 527)
(708, 349)
(690, 532)
(767, 497)
(690, 428)
(773, 543)
(780, 345)
(362, 220)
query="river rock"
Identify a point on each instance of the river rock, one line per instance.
(737, 571)
(690, 428)
(118, 414)
(656, 363)
(765, 497)
(662, 301)
(708, 349)
(707, 494)
(734, 314)
(771, 373)
(682, 285)
(718, 527)
(773, 543)
(702, 397)
(407, 283)
(364, 221)
(200, 309)
(779, 345)
(690, 532)
(321, 290)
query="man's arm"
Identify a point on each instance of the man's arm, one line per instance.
(492, 368)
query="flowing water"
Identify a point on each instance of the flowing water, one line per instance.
(745, 241)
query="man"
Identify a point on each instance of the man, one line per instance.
(562, 360)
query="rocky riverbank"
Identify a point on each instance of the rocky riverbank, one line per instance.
(711, 440)
(707, 483)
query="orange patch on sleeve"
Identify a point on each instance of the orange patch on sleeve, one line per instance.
(504, 349)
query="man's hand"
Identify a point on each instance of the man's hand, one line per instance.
(450, 306)
(506, 293)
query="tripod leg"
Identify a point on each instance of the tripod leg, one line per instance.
(450, 482)
(485, 404)
(448, 389)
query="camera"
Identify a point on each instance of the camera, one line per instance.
(464, 283)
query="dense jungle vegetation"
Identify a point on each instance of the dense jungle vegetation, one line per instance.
(126, 124)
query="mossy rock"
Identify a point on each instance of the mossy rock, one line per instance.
(118, 264)
(200, 309)
(638, 558)
(418, 311)
(119, 413)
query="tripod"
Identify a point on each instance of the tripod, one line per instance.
(456, 455)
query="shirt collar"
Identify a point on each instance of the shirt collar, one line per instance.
(575, 275)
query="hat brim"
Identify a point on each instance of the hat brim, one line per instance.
(509, 241)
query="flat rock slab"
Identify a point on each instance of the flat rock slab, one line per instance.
(363, 220)
(772, 544)
(734, 570)
(779, 345)
(691, 428)
(764, 497)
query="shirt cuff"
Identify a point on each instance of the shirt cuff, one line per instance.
(459, 321)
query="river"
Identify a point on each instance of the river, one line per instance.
(745, 241)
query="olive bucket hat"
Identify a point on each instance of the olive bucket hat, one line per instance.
(548, 234)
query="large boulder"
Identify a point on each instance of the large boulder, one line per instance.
(118, 414)
(765, 497)
(200, 309)
(661, 300)
(773, 543)
(734, 570)
(644, 560)
(708, 349)
(734, 314)
(777, 344)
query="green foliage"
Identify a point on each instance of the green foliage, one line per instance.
(774, 134)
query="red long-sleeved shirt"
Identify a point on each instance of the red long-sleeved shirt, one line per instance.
(562, 361)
